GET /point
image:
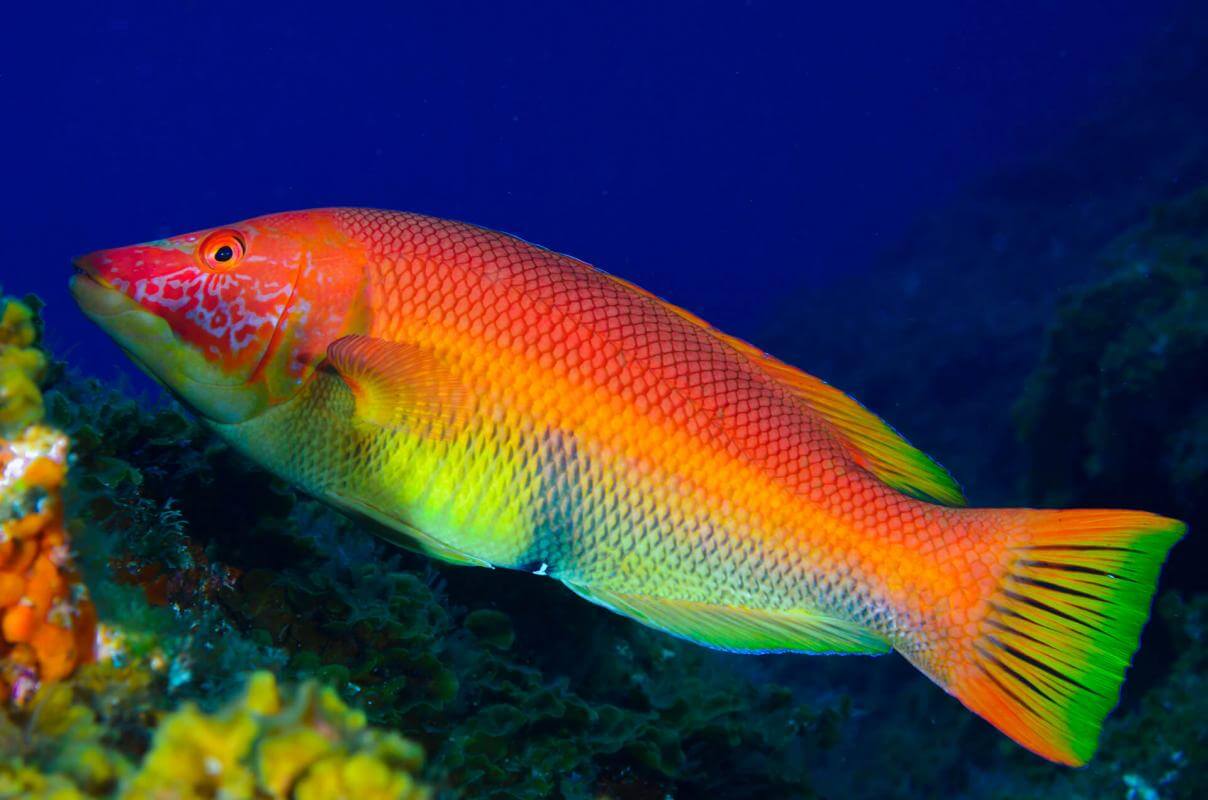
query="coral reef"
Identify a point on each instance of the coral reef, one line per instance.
(647, 711)
(47, 623)
(79, 737)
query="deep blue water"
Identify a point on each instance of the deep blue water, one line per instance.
(715, 153)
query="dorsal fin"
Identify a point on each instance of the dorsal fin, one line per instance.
(873, 443)
(740, 630)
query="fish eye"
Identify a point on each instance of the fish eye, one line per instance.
(222, 250)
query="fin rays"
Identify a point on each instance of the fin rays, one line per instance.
(1060, 630)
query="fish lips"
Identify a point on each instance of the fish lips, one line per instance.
(95, 296)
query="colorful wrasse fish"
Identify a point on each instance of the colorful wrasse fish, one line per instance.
(497, 404)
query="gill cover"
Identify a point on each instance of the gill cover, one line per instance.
(232, 320)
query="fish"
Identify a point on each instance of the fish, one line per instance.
(492, 403)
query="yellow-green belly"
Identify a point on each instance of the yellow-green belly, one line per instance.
(510, 491)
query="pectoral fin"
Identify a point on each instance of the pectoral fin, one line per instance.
(397, 384)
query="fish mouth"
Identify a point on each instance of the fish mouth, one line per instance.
(84, 265)
(97, 297)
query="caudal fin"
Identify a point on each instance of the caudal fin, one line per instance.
(1046, 661)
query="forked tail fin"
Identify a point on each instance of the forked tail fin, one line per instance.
(1045, 662)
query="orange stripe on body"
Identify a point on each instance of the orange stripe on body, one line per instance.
(546, 333)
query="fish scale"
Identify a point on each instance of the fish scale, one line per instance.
(493, 403)
(607, 541)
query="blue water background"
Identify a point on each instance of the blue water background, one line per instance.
(719, 154)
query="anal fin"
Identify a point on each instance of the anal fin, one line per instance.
(404, 534)
(738, 629)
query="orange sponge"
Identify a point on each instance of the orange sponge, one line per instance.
(47, 623)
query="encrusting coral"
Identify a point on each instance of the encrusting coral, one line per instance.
(22, 367)
(47, 623)
(266, 744)
(310, 746)
(63, 742)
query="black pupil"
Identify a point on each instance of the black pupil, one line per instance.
(224, 253)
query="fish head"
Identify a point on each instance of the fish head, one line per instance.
(232, 320)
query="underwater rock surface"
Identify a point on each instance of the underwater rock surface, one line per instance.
(1117, 411)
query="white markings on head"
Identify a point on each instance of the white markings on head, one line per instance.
(228, 306)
